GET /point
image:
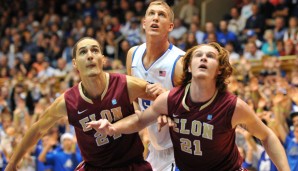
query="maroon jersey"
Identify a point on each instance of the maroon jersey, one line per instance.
(203, 138)
(99, 150)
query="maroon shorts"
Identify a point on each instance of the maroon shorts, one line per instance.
(135, 166)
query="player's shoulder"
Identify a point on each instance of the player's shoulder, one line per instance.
(133, 49)
(178, 50)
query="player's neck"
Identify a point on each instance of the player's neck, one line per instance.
(95, 87)
(155, 50)
(202, 91)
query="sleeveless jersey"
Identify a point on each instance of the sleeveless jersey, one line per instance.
(161, 71)
(99, 150)
(203, 137)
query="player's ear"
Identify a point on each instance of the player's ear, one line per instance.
(171, 27)
(74, 63)
(219, 71)
(189, 69)
(143, 23)
(104, 60)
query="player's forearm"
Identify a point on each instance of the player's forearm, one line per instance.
(130, 124)
(276, 152)
(30, 139)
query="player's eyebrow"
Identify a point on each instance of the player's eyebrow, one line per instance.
(92, 46)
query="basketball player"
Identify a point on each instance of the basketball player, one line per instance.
(205, 116)
(157, 62)
(98, 95)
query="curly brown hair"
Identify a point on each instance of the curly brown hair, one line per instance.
(224, 66)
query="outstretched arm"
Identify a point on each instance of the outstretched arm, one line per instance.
(244, 116)
(134, 122)
(55, 112)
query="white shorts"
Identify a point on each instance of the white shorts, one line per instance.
(161, 160)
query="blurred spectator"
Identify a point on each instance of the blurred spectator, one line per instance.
(211, 38)
(281, 9)
(109, 44)
(255, 22)
(266, 9)
(38, 65)
(246, 10)
(252, 52)
(253, 37)
(126, 25)
(199, 35)
(47, 71)
(289, 47)
(236, 23)
(139, 9)
(4, 67)
(292, 31)
(224, 35)
(133, 33)
(209, 28)
(234, 56)
(280, 47)
(187, 11)
(61, 71)
(65, 159)
(124, 47)
(78, 30)
(293, 7)
(179, 30)
(279, 28)
(67, 51)
(190, 41)
(269, 47)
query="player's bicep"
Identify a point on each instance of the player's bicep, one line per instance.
(246, 117)
(129, 60)
(52, 114)
(178, 72)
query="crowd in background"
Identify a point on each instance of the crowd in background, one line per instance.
(37, 37)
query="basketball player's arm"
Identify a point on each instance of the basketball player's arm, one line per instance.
(245, 116)
(135, 122)
(178, 72)
(143, 133)
(53, 113)
(129, 59)
(128, 71)
(137, 89)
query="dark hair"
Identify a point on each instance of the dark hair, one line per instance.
(293, 115)
(74, 49)
(224, 66)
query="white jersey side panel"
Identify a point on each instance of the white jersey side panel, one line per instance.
(161, 71)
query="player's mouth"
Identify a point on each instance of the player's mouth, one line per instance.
(203, 66)
(91, 65)
(154, 26)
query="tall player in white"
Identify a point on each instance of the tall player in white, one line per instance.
(158, 62)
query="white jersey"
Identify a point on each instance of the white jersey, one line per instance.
(161, 71)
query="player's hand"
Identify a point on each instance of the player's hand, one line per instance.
(102, 126)
(11, 167)
(163, 120)
(154, 90)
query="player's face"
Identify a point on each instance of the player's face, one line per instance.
(204, 63)
(157, 21)
(89, 59)
(67, 144)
